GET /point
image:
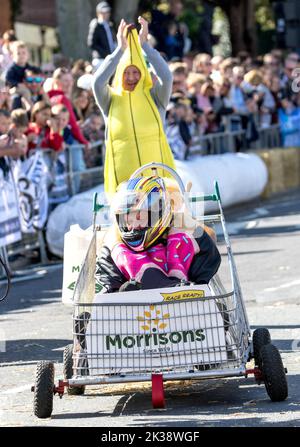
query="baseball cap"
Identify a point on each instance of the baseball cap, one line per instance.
(103, 7)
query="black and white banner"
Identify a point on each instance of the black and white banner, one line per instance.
(10, 229)
(32, 178)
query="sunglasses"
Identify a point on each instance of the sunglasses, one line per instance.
(37, 79)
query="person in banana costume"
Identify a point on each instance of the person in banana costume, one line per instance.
(133, 106)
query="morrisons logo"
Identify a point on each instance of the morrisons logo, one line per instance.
(153, 321)
(153, 339)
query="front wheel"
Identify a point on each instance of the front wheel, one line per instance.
(43, 389)
(261, 337)
(273, 373)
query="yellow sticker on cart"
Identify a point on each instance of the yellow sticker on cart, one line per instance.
(181, 295)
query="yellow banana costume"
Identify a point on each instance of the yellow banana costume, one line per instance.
(135, 133)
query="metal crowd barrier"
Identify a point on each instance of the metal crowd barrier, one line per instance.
(80, 178)
(221, 142)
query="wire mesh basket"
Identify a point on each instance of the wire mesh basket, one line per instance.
(178, 334)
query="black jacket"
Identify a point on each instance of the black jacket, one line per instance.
(204, 266)
(16, 74)
(97, 39)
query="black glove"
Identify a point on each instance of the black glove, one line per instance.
(129, 286)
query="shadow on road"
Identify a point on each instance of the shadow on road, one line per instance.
(234, 402)
(34, 349)
(27, 295)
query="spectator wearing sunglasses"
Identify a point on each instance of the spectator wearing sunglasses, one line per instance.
(30, 91)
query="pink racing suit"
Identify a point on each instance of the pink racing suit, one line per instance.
(173, 259)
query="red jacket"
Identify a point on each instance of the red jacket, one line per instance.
(58, 97)
(45, 138)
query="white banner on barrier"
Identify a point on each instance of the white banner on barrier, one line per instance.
(10, 230)
(33, 195)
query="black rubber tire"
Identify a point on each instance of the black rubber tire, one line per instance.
(43, 390)
(261, 337)
(68, 371)
(273, 373)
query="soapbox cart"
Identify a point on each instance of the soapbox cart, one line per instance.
(187, 332)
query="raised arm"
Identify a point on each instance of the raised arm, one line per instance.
(101, 79)
(162, 90)
(107, 69)
(163, 87)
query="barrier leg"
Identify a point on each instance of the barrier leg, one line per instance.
(4, 256)
(43, 252)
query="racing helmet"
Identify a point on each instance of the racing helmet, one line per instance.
(143, 212)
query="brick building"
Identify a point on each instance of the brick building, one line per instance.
(5, 16)
(37, 26)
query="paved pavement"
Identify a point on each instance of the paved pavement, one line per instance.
(36, 326)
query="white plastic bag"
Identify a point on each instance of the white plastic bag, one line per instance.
(76, 244)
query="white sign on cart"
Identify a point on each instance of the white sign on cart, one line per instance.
(178, 327)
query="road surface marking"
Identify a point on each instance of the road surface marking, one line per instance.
(17, 390)
(283, 286)
(251, 224)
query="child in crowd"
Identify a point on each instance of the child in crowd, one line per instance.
(18, 129)
(44, 131)
(16, 73)
(61, 113)
(13, 141)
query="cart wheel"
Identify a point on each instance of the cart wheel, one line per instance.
(261, 337)
(68, 371)
(274, 373)
(158, 395)
(43, 389)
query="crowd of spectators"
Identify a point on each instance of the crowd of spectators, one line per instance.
(54, 109)
(213, 95)
(48, 110)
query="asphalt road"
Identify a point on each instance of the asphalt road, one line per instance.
(36, 326)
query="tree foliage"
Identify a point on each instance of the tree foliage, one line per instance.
(264, 15)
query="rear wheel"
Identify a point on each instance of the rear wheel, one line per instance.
(261, 337)
(43, 389)
(68, 371)
(273, 373)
